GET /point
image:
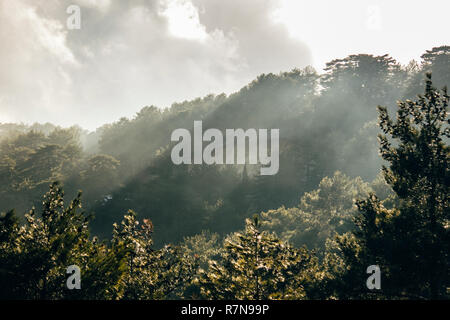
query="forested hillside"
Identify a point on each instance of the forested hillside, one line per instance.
(341, 201)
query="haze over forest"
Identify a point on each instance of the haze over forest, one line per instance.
(357, 185)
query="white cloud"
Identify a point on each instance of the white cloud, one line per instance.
(35, 62)
(130, 54)
(102, 5)
(183, 20)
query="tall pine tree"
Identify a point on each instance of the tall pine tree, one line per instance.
(410, 242)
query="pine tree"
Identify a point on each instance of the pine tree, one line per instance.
(257, 265)
(411, 241)
(35, 256)
(151, 273)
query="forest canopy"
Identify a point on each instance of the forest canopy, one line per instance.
(141, 227)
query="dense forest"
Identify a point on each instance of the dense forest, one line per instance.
(363, 180)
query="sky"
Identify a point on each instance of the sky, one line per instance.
(129, 54)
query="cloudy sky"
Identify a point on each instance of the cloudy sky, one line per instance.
(128, 54)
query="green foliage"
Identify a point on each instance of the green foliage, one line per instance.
(258, 265)
(203, 247)
(100, 177)
(409, 242)
(30, 161)
(367, 76)
(327, 151)
(35, 256)
(151, 274)
(328, 123)
(321, 213)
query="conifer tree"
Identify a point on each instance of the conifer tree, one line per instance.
(410, 242)
(257, 265)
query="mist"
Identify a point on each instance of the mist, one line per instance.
(92, 169)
